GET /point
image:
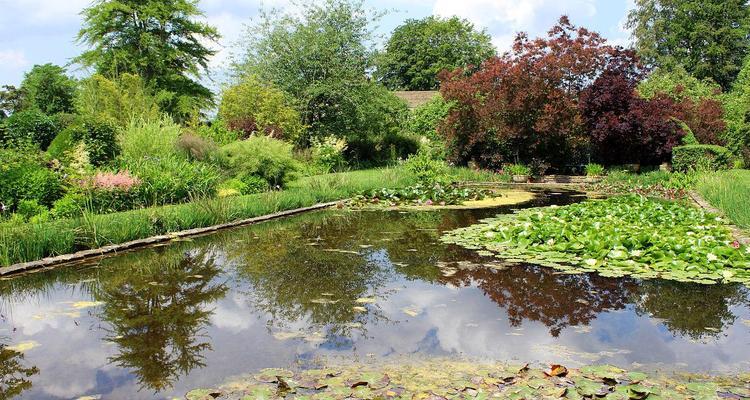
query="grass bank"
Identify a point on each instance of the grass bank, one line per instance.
(30, 242)
(728, 191)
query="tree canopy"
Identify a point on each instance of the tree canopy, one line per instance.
(420, 49)
(708, 37)
(163, 42)
(48, 89)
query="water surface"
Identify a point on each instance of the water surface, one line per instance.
(341, 284)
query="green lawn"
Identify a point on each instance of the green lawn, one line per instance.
(728, 191)
(29, 242)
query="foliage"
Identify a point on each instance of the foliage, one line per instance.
(424, 122)
(216, 132)
(173, 179)
(11, 100)
(729, 191)
(143, 139)
(320, 56)
(29, 209)
(700, 157)
(48, 89)
(195, 147)
(164, 43)
(517, 169)
(453, 378)
(328, 154)
(428, 171)
(616, 237)
(524, 105)
(62, 143)
(28, 127)
(250, 184)
(737, 114)
(625, 128)
(99, 137)
(678, 84)
(120, 99)
(594, 170)
(707, 37)
(69, 206)
(254, 107)
(418, 50)
(24, 176)
(261, 156)
(660, 184)
(421, 195)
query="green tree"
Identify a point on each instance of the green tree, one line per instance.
(708, 37)
(11, 100)
(48, 89)
(161, 41)
(679, 85)
(420, 49)
(320, 56)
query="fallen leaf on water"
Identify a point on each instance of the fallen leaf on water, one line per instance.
(24, 346)
(359, 309)
(410, 311)
(287, 335)
(746, 322)
(366, 300)
(79, 305)
(556, 370)
(324, 301)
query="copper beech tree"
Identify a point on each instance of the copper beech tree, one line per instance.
(561, 100)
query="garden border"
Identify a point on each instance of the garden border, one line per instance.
(738, 233)
(85, 255)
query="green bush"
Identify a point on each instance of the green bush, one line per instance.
(24, 176)
(594, 170)
(195, 147)
(69, 206)
(252, 106)
(143, 139)
(261, 156)
(518, 169)
(699, 157)
(120, 100)
(174, 179)
(62, 143)
(30, 126)
(426, 169)
(425, 119)
(328, 154)
(217, 132)
(30, 208)
(100, 138)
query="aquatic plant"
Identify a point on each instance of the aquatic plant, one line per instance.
(421, 195)
(620, 236)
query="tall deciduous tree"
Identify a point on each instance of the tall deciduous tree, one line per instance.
(420, 49)
(48, 89)
(710, 38)
(162, 41)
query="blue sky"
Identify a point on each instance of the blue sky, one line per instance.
(41, 31)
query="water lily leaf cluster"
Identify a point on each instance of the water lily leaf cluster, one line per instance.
(422, 195)
(447, 379)
(616, 237)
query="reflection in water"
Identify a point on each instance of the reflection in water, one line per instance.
(169, 316)
(556, 300)
(14, 374)
(158, 314)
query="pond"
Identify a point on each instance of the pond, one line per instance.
(341, 284)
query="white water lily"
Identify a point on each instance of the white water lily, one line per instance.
(616, 253)
(551, 242)
(636, 253)
(590, 262)
(489, 235)
(711, 257)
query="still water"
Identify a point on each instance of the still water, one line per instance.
(344, 285)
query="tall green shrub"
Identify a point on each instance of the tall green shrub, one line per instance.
(24, 176)
(28, 127)
(121, 100)
(261, 156)
(700, 157)
(143, 139)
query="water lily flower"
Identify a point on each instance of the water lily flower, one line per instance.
(736, 244)
(428, 202)
(712, 257)
(551, 242)
(489, 235)
(591, 262)
(636, 253)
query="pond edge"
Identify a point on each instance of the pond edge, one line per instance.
(86, 255)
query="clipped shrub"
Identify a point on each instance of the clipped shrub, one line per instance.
(254, 107)
(261, 156)
(24, 176)
(100, 139)
(143, 139)
(700, 157)
(30, 126)
(62, 144)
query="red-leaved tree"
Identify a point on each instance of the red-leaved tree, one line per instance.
(523, 106)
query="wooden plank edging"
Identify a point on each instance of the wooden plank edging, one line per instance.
(112, 249)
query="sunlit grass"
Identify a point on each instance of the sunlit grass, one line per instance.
(728, 191)
(29, 242)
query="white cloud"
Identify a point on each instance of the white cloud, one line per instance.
(504, 18)
(13, 59)
(43, 11)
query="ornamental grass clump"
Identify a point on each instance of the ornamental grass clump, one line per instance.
(620, 236)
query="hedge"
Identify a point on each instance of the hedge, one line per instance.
(700, 157)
